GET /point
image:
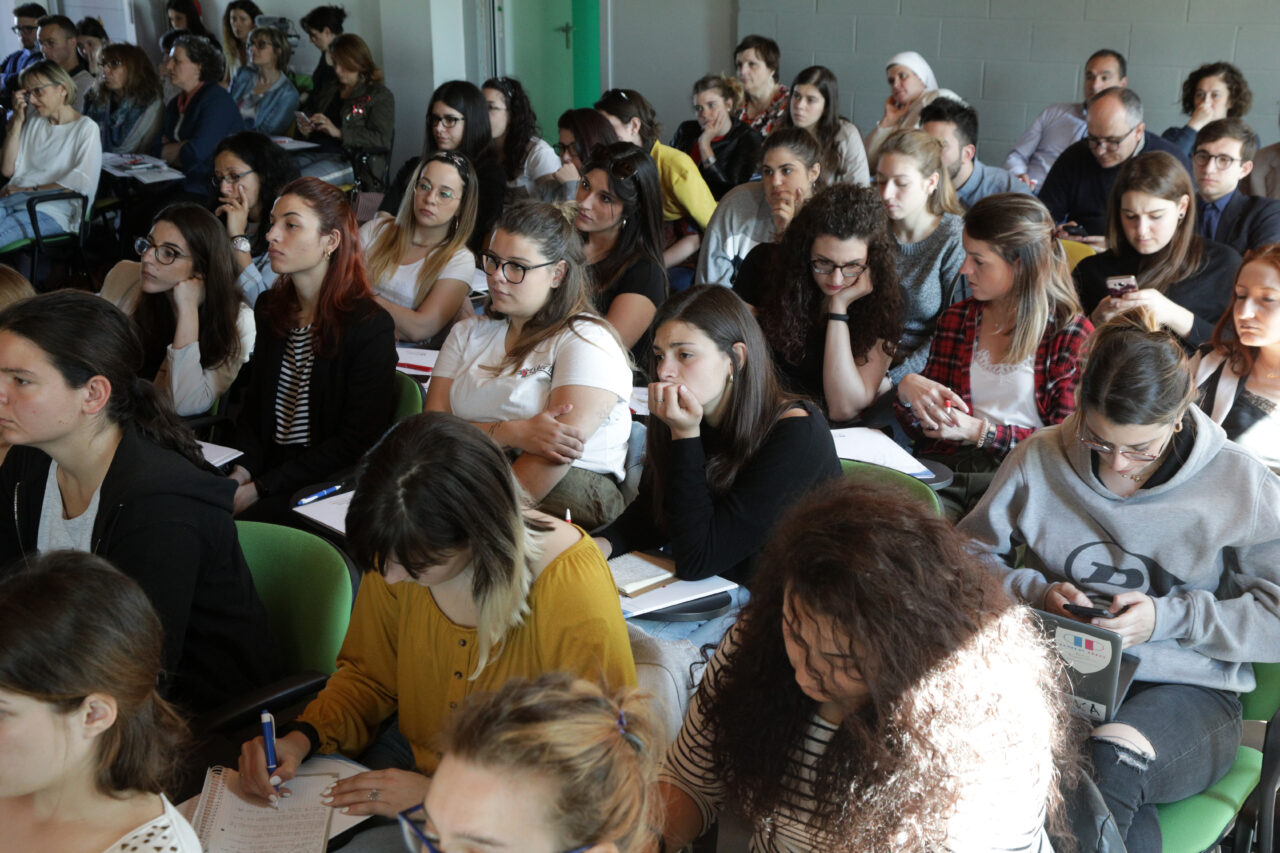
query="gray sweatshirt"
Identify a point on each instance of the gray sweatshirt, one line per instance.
(1205, 546)
(741, 222)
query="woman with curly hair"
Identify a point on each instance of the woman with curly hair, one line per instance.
(524, 154)
(1213, 91)
(1003, 362)
(828, 299)
(726, 149)
(881, 735)
(815, 107)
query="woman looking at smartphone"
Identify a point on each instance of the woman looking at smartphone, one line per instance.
(1183, 279)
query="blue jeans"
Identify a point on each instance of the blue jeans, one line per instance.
(15, 224)
(705, 632)
(1194, 733)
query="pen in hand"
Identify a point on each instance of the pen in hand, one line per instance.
(269, 743)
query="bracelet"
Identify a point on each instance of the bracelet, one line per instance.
(984, 433)
(493, 426)
(843, 318)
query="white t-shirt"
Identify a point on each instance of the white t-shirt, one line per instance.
(402, 287)
(169, 832)
(589, 356)
(66, 154)
(539, 160)
(54, 532)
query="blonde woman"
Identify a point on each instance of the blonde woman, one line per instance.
(464, 590)
(419, 264)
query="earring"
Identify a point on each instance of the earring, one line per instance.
(328, 254)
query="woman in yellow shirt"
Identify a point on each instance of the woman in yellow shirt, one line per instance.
(464, 590)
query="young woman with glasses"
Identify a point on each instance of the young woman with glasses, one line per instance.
(1004, 362)
(419, 263)
(262, 90)
(524, 155)
(828, 300)
(1183, 279)
(620, 218)
(540, 372)
(1138, 504)
(126, 100)
(196, 330)
(552, 765)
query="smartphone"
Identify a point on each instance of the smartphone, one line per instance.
(1088, 612)
(1076, 230)
(1118, 285)
(301, 117)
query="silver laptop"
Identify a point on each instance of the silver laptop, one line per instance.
(1099, 671)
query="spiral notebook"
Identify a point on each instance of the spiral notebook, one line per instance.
(227, 822)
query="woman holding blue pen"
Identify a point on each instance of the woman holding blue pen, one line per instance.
(464, 589)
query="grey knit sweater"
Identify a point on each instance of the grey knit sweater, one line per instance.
(929, 275)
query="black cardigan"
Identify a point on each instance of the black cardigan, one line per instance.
(737, 154)
(167, 524)
(351, 400)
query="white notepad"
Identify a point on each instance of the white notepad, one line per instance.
(227, 822)
(330, 511)
(871, 445)
(635, 573)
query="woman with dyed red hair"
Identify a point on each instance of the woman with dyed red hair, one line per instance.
(321, 380)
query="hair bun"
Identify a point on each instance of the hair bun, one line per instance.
(567, 209)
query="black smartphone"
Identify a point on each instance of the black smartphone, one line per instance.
(1075, 230)
(1088, 612)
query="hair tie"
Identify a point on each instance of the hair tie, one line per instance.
(626, 735)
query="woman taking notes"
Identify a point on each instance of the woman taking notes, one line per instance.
(728, 451)
(464, 589)
(89, 747)
(540, 372)
(419, 263)
(196, 331)
(1139, 499)
(1004, 362)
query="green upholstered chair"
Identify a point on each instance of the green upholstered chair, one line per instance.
(409, 399)
(67, 245)
(872, 473)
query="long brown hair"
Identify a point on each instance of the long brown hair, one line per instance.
(346, 283)
(354, 53)
(141, 82)
(1225, 338)
(866, 557)
(824, 130)
(71, 625)
(1159, 174)
(755, 399)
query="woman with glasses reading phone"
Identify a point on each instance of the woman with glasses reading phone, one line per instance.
(1139, 506)
(543, 766)
(541, 373)
(196, 330)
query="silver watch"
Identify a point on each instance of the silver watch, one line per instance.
(241, 243)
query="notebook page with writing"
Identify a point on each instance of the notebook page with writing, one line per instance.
(227, 822)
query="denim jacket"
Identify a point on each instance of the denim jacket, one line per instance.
(127, 127)
(275, 111)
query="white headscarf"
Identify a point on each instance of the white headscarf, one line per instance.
(920, 68)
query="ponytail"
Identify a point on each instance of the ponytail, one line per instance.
(156, 420)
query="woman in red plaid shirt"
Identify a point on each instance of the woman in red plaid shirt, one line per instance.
(1003, 362)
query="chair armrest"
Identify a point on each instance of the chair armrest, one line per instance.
(245, 709)
(1256, 822)
(44, 197)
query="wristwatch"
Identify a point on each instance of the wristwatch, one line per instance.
(241, 243)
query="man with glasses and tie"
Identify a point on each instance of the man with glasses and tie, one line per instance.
(1223, 158)
(25, 25)
(1076, 188)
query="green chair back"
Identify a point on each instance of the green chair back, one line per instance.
(409, 399)
(305, 585)
(881, 475)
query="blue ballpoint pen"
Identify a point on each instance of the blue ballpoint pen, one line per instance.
(323, 493)
(269, 741)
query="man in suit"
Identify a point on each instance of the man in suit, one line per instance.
(1077, 186)
(1223, 157)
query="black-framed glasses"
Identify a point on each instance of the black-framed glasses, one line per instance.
(850, 271)
(560, 148)
(229, 178)
(1106, 448)
(1109, 141)
(1222, 161)
(164, 254)
(19, 29)
(448, 121)
(512, 271)
(413, 832)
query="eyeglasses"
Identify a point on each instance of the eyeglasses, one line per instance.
(512, 271)
(1222, 161)
(621, 93)
(46, 43)
(560, 148)
(1107, 449)
(25, 28)
(1109, 141)
(36, 90)
(448, 121)
(850, 271)
(229, 178)
(444, 193)
(261, 45)
(164, 254)
(413, 822)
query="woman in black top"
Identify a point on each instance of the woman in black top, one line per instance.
(322, 377)
(828, 299)
(100, 464)
(728, 450)
(620, 220)
(458, 120)
(726, 150)
(1183, 279)
(322, 25)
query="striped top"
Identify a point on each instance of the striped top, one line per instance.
(293, 393)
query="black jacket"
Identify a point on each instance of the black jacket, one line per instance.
(351, 401)
(737, 154)
(167, 524)
(1247, 222)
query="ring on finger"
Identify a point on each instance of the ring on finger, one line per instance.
(374, 795)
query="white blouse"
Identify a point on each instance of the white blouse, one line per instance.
(1004, 393)
(168, 833)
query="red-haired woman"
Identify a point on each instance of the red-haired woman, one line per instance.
(321, 382)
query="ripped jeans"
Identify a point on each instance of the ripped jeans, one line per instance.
(1167, 742)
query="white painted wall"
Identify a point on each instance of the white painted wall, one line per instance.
(1011, 58)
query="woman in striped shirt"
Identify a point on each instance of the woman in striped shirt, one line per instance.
(910, 705)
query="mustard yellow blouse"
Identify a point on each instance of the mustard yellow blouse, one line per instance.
(402, 653)
(684, 190)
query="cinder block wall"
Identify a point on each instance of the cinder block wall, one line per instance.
(1011, 58)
